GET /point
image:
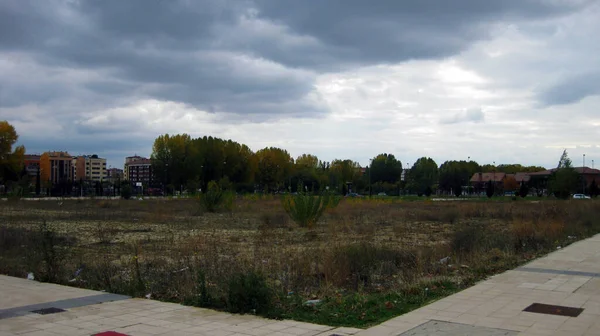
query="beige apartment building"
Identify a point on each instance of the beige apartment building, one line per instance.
(90, 168)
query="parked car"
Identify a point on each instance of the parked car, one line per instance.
(580, 196)
(382, 194)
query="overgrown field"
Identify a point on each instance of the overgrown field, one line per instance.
(365, 260)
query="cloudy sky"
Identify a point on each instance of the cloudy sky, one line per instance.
(511, 81)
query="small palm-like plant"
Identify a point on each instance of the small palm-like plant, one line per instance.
(305, 209)
(213, 198)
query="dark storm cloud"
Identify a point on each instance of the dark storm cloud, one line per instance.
(247, 57)
(571, 89)
(391, 31)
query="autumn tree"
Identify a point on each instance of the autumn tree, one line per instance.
(342, 172)
(11, 160)
(45, 169)
(274, 166)
(510, 184)
(307, 161)
(306, 172)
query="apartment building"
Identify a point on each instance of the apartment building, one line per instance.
(114, 175)
(89, 168)
(56, 167)
(138, 169)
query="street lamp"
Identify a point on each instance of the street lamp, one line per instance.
(370, 182)
(494, 162)
(583, 175)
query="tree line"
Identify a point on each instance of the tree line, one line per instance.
(180, 162)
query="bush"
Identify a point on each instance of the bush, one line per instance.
(214, 198)
(477, 238)
(248, 293)
(126, 191)
(523, 190)
(363, 263)
(51, 255)
(306, 209)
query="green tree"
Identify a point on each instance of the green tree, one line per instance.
(423, 174)
(456, 174)
(523, 190)
(565, 179)
(594, 190)
(169, 157)
(385, 168)
(490, 189)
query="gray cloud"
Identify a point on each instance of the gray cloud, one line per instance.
(469, 115)
(571, 89)
(241, 57)
(264, 60)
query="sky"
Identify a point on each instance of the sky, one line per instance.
(512, 81)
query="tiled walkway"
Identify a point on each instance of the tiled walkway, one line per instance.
(568, 277)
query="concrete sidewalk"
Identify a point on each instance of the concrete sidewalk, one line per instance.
(568, 277)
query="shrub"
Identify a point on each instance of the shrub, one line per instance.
(274, 220)
(523, 190)
(489, 190)
(534, 235)
(50, 253)
(214, 198)
(365, 262)
(126, 191)
(473, 238)
(248, 293)
(465, 239)
(428, 191)
(451, 215)
(306, 209)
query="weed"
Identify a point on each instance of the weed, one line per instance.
(248, 293)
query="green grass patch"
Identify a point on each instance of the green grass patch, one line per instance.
(361, 310)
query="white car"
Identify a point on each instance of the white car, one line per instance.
(580, 196)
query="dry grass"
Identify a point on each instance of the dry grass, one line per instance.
(160, 246)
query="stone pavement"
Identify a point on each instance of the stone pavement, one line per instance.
(568, 277)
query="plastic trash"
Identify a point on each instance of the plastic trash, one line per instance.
(30, 276)
(312, 302)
